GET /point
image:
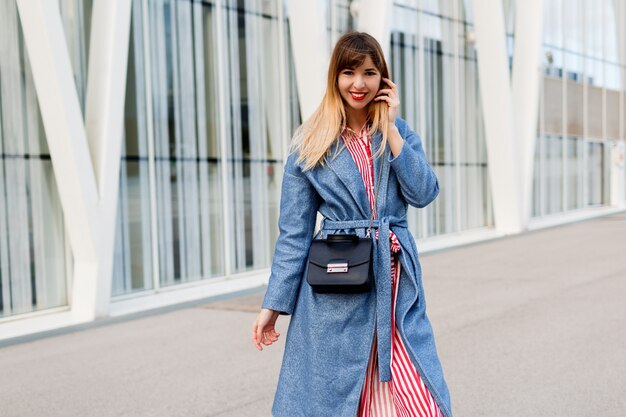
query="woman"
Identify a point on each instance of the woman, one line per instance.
(370, 354)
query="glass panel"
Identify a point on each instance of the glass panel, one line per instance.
(440, 123)
(345, 21)
(553, 26)
(573, 41)
(255, 150)
(595, 171)
(554, 174)
(594, 22)
(32, 245)
(186, 145)
(432, 51)
(132, 264)
(575, 173)
(612, 79)
(475, 203)
(339, 19)
(293, 103)
(580, 38)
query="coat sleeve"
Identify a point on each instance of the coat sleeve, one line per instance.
(418, 182)
(299, 203)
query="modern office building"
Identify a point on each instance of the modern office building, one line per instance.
(142, 141)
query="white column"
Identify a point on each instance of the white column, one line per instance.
(526, 80)
(617, 174)
(618, 186)
(63, 122)
(503, 157)
(309, 39)
(375, 19)
(106, 88)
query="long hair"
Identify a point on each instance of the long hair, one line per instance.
(315, 137)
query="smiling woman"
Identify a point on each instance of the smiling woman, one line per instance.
(346, 354)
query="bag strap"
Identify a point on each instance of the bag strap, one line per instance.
(380, 177)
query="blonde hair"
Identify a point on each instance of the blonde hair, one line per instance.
(315, 137)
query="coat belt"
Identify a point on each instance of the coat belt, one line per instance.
(382, 279)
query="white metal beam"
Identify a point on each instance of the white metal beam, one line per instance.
(309, 41)
(108, 55)
(617, 191)
(65, 132)
(88, 196)
(503, 157)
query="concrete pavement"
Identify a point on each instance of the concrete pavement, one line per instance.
(531, 325)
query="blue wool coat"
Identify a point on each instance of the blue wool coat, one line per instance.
(330, 335)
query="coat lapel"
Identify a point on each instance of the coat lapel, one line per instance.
(346, 170)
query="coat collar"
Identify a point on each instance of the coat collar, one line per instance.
(346, 170)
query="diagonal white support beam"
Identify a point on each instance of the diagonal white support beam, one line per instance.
(617, 192)
(87, 174)
(63, 122)
(526, 80)
(106, 88)
(65, 132)
(309, 43)
(375, 19)
(502, 154)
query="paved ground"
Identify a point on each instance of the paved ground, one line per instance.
(532, 325)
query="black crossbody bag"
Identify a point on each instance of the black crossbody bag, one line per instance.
(343, 263)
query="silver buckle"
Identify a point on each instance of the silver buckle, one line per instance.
(335, 267)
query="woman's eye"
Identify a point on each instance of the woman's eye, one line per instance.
(347, 72)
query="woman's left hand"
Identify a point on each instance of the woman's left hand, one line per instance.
(391, 96)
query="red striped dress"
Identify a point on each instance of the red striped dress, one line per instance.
(405, 395)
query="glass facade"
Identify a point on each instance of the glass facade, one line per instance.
(205, 140)
(32, 237)
(581, 107)
(433, 61)
(211, 104)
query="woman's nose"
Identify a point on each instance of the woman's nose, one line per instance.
(359, 82)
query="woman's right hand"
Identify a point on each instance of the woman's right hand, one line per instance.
(263, 331)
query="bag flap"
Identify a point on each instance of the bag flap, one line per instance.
(355, 253)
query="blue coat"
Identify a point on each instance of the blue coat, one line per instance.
(330, 335)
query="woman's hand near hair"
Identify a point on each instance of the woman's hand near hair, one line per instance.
(392, 97)
(263, 328)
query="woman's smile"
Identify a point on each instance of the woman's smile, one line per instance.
(358, 96)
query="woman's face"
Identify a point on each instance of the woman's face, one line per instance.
(358, 86)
